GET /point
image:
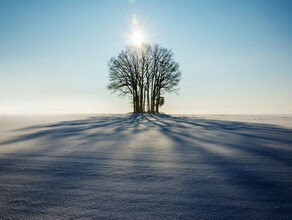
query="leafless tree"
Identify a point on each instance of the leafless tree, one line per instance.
(143, 74)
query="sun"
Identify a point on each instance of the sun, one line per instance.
(137, 38)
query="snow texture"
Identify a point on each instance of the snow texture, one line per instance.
(145, 167)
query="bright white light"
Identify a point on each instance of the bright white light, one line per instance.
(137, 38)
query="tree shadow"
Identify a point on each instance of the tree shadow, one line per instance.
(255, 158)
(141, 165)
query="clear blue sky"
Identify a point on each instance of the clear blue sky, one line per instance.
(235, 56)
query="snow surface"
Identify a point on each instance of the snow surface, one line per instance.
(146, 167)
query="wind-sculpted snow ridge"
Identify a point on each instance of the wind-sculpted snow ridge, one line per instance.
(145, 166)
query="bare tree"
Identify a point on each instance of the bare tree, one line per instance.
(143, 74)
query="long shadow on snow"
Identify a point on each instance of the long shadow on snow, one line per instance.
(69, 178)
(250, 172)
(267, 146)
(76, 129)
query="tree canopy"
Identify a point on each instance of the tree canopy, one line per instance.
(144, 74)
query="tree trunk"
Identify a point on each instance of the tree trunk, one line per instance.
(148, 100)
(134, 104)
(157, 102)
(141, 99)
(153, 99)
(137, 102)
(144, 101)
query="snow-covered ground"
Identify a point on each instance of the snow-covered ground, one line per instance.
(146, 167)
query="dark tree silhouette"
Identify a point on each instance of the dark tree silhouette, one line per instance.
(143, 74)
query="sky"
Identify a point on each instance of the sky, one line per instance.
(235, 56)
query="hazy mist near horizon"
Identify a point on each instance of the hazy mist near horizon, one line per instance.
(235, 56)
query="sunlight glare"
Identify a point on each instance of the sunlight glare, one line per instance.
(137, 38)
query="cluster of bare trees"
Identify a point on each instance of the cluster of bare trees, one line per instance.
(144, 74)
